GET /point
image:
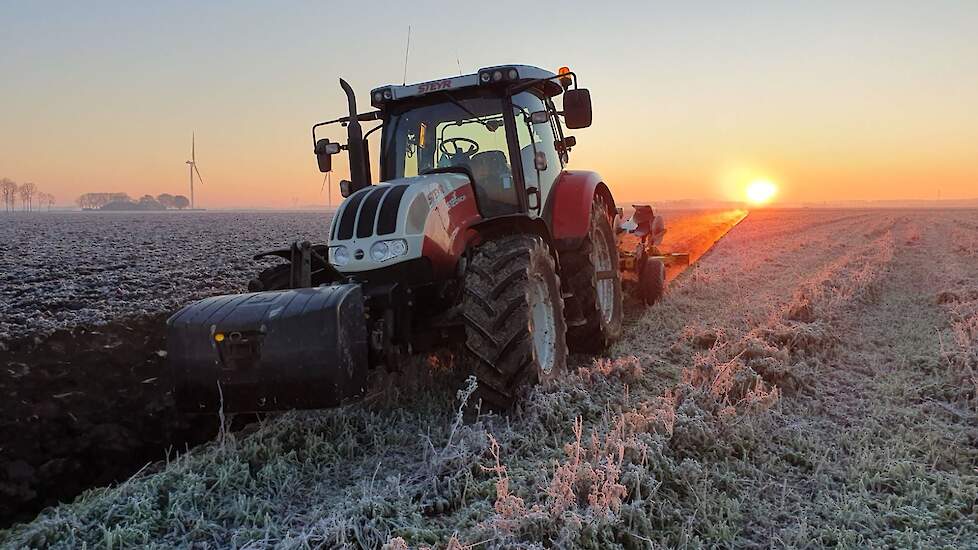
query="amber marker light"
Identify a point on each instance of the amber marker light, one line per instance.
(565, 79)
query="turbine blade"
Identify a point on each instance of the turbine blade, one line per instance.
(193, 146)
(324, 182)
(199, 177)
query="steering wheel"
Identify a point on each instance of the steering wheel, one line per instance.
(456, 149)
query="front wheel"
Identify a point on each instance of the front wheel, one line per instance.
(513, 312)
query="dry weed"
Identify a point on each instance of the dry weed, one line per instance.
(627, 369)
(510, 509)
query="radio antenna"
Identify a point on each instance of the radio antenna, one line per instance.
(407, 50)
(458, 61)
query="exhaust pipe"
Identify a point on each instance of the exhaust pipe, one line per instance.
(359, 173)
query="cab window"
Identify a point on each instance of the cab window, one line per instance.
(536, 138)
(463, 132)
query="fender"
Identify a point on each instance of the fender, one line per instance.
(568, 209)
(510, 225)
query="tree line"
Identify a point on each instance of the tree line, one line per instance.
(122, 201)
(28, 193)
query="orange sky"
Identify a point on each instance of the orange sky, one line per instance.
(832, 102)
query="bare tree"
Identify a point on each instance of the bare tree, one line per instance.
(27, 192)
(8, 192)
(45, 199)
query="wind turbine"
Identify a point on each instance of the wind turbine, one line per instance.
(192, 164)
(325, 178)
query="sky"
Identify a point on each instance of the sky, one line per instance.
(830, 100)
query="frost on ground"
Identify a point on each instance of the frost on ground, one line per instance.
(810, 383)
(63, 270)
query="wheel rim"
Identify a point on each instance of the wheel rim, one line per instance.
(543, 326)
(605, 284)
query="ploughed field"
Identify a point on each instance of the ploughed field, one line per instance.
(810, 381)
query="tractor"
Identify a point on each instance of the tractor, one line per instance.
(477, 234)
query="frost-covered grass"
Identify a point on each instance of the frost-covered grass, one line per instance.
(801, 387)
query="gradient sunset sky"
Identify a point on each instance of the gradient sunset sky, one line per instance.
(831, 100)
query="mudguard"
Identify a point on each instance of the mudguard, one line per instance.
(289, 349)
(568, 209)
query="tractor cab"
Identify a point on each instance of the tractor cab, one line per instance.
(499, 127)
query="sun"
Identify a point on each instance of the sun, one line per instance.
(761, 191)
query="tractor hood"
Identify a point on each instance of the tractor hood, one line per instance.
(392, 222)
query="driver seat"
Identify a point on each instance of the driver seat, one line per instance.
(494, 183)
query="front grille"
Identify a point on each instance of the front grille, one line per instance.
(344, 229)
(366, 210)
(387, 220)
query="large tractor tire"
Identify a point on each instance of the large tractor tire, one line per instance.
(513, 311)
(277, 277)
(591, 274)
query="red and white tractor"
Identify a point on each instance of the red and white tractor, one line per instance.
(477, 233)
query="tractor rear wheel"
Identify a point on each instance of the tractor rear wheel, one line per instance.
(277, 277)
(514, 318)
(652, 281)
(591, 274)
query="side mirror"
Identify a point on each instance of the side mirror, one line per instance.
(577, 108)
(324, 153)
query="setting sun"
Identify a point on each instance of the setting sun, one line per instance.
(761, 192)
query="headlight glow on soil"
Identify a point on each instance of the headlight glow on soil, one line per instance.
(761, 191)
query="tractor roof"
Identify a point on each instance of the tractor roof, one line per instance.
(485, 76)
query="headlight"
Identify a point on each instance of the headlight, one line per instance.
(398, 247)
(381, 251)
(339, 255)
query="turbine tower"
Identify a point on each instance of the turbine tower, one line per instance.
(192, 164)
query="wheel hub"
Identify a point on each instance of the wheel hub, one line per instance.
(605, 286)
(543, 326)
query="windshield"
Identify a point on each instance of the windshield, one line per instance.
(461, 132)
